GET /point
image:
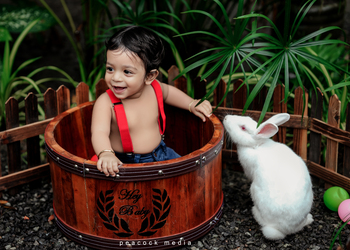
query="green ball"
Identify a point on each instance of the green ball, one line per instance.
(334, 196)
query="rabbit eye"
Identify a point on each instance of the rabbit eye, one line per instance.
(243, 128)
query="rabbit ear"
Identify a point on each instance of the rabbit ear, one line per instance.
(270, 127)
(279, 119)
(266, 130)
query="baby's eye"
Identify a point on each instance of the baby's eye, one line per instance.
(127, 72)
(110, 69)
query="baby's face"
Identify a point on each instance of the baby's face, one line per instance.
(125, 74)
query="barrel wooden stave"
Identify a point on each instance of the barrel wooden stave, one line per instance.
(195, 196)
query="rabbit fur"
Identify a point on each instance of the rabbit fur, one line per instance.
(281, 187)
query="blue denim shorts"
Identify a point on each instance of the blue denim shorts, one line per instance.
(160, 153)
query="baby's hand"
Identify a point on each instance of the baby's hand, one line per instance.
(202, 110)
(108, 163)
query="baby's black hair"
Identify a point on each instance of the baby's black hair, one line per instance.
(141, 41)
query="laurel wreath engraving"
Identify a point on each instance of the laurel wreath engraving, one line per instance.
(149, 226)
(161, 209)
(105, 204)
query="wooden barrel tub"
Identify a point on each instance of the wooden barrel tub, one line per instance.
(150, 205)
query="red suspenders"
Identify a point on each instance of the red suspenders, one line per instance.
(123, 123)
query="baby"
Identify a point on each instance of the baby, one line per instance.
(133, 58)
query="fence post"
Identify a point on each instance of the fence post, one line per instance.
(180, 83)
(300, 135)
(219, 92)
(315, 138)
(279, 107)
(239, 98)
(346, 161)
(50, 103)
(33, 147)
(199, 87)
(259, 100)
(13, 148)
(239, 95)
(63, 99)
(100, 88)
(173, 71)
(332, 146)
(82, 93)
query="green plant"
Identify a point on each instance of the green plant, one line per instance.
(283, 53)
(233, 46)
(91, 70)
(336, 232)
(329, 82)
(11, 83)
(288, 53)
(163, 17)
(15, 18)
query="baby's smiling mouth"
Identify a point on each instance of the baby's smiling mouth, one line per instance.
(118, 89)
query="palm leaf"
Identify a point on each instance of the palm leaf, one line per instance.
(217, 80)
(201, 62)
(207, 33)
(228, 35)
(303, 11)
(226, 54)
(266, 76)
(277, 69)
(317, 33)
(212, 18)
(319, 60)
(265, 17)
(286, 75)
(228, 84)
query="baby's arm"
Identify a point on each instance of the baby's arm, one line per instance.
(100, 130)
(177, 98)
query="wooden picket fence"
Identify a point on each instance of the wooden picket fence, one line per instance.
(55, 102)
(306, 129)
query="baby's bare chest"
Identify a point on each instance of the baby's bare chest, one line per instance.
(144, 116)
(141, 115)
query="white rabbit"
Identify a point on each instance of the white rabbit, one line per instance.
(281, 186)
